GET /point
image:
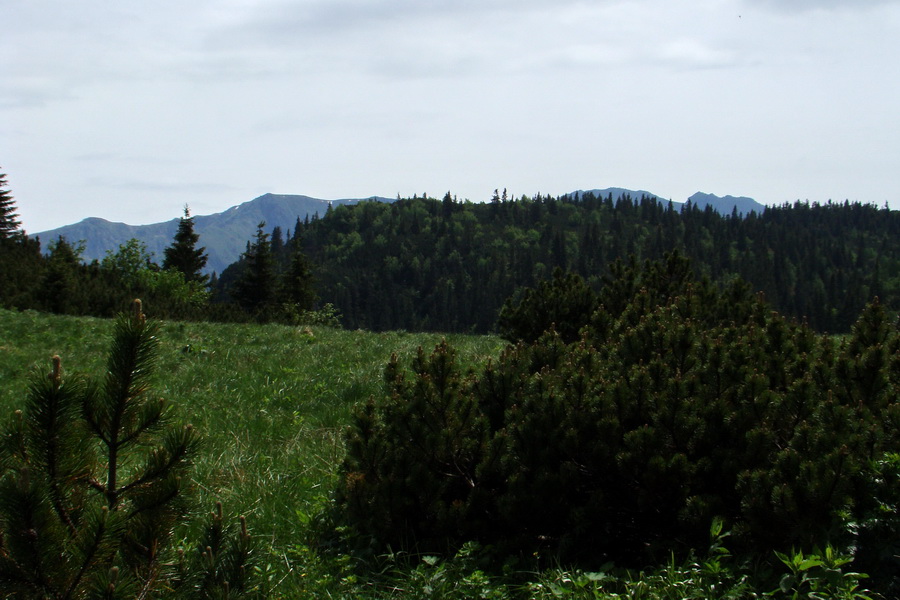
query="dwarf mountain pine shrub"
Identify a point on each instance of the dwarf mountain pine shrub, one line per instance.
(687, 403)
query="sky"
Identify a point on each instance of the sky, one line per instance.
(131, 110)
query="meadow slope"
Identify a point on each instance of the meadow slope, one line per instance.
(271, 402)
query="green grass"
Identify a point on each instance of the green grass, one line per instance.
(271, 402)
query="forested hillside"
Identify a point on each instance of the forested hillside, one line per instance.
(223, 233)
(428, 264)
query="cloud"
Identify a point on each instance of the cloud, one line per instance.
(450, 30)
(693, 53)
(158, 187)
(32, 92)
(294, 20)
(797, 6)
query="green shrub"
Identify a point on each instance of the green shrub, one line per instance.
(564, 303)
(686, 404)
(410, 472)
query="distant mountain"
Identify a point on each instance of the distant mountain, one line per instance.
(617, 193)
(722, 205)
(224, 235)
(725, 206)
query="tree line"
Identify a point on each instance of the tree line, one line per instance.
(428, 264)
(61, 282)
(443, 265)
(271, 285)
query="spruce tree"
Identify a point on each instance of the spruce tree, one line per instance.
(564, 304)
(20, 257)
(297, 280)
(93, 482)
(9, 225)
(57, 290)
(183, 255)
(256, 287)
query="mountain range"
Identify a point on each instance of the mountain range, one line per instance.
(723, 205)
(225, 234)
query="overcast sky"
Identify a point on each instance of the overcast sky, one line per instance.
(129, 110)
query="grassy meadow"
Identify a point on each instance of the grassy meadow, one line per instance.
(271, 402)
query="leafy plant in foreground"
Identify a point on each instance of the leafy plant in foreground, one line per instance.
(819, 576)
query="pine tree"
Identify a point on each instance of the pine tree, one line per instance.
(256, 286)
(183, 255)
(565, 304)
(57, 289)
(20, 256)
(9, 225)
(297, 281)
(92, 485)
(677, 403)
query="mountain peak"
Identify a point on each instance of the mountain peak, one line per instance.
(224, 234)
(725, 205)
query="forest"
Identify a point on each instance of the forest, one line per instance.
(669, 405)
(442, 265)
(423, 264)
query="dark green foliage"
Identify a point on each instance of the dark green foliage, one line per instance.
(685, 405)
(410, 472)
(441, 265)
(69, 287)
(93, 480)
(256, 286)
(219, 567)
(564, 304)
(183, 255)
(21, 265)
(273, 282)
(61, 283)
(297, 288)
(9, 225)
(20, 257)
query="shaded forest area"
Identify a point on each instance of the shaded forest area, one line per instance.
(444, 265)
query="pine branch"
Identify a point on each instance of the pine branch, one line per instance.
(91, 544)
(178, 447)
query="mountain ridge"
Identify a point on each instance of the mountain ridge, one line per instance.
(225, 234)
(724, 205)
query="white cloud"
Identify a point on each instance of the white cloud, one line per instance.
(338, 98)
(794, 6)
(693, 53)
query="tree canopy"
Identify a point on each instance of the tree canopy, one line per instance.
(184, 255)
(442, 265)
(9, 224)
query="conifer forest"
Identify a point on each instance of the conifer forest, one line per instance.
(534, 397)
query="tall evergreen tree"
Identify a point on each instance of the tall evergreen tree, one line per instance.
(297, 280)
(183, 255)
(9, 225)
(255, 288)
(57, 290)
(21, 263)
